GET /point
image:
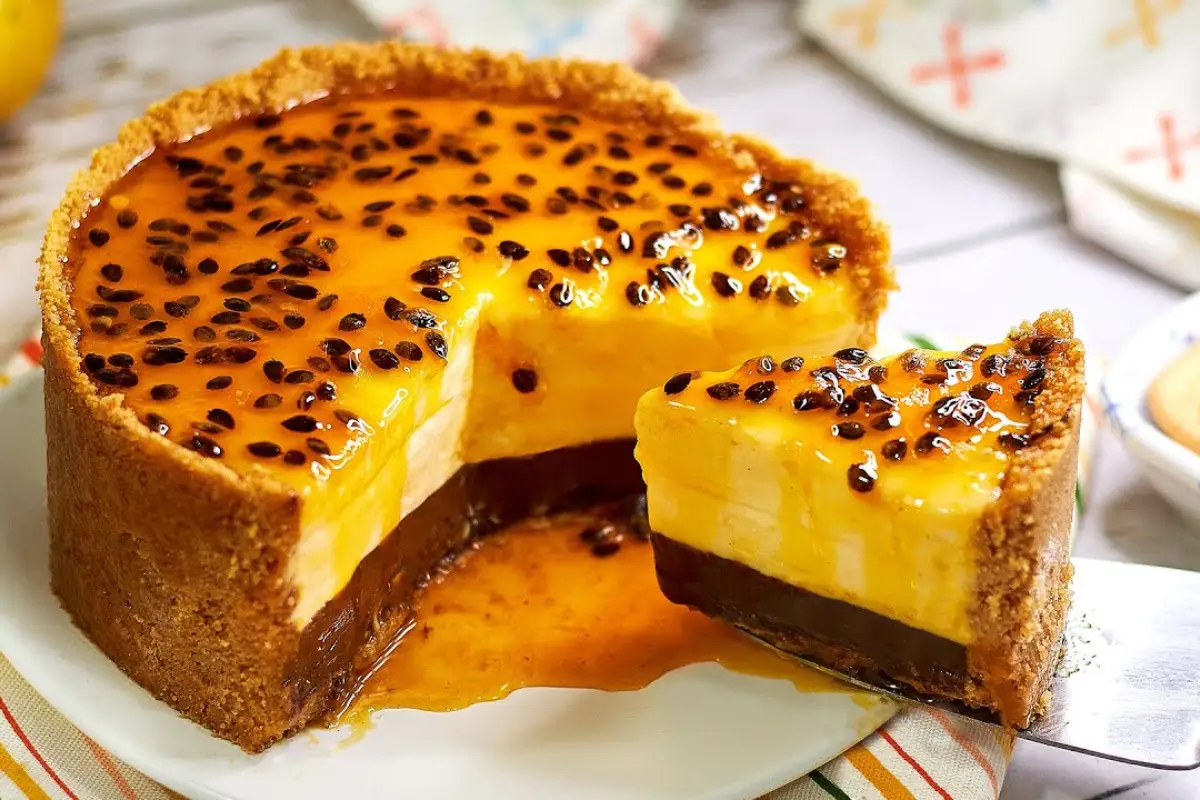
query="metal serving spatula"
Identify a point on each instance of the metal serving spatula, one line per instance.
(1128, 686)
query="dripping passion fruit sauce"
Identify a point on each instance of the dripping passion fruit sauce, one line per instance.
(270, 293)
(567, 602)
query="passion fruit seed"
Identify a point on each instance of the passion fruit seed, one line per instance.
(524, 380)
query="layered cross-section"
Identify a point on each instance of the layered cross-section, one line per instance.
(904, 519)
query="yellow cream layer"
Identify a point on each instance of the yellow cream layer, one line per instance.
(736, 488)
(476, 416)
(781, 491)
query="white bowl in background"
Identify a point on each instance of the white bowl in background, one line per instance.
(1172, 469)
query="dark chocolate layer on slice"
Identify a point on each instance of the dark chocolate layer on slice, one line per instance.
(357, 627)
(841, 636)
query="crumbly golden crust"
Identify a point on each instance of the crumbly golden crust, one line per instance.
(175, 564)
(1022, 592)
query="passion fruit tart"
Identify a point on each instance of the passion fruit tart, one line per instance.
(311, 328)
(902, 520)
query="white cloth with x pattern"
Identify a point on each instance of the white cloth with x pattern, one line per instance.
(1108, 88)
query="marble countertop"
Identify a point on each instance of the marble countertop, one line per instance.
(980, 237)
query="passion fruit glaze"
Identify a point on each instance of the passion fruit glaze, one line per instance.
(273, 292)
(865, 414)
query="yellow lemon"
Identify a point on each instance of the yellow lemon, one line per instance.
(28, 37)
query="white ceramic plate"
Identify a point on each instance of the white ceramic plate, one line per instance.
(699, 732)
(1169, 467)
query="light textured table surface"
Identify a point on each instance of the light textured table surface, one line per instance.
(980, 237)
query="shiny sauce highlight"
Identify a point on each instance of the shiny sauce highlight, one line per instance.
(554, 604)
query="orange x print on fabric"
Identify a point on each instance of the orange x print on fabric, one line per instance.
(865, 18)
(422, 24)
(957, 67)
(646, 39)
(1147, 15)
(1171, 149)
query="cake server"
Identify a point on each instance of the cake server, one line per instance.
(1128, 685)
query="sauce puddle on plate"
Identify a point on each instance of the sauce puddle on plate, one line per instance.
(535, 605)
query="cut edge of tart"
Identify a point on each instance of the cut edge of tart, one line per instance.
(185, 570)
(904, 520)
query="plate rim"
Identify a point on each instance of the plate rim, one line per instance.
(141, 759)
(1126, 384)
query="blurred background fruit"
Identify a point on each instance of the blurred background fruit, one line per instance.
(29, 31)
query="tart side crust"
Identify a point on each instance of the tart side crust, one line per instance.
(178, 579)
(1022, 592)
(173, 563)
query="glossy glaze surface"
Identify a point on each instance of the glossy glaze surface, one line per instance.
(368, 235)
(566, 603)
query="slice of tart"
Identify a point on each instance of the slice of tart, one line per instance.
(311, 328)
(904, 520)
